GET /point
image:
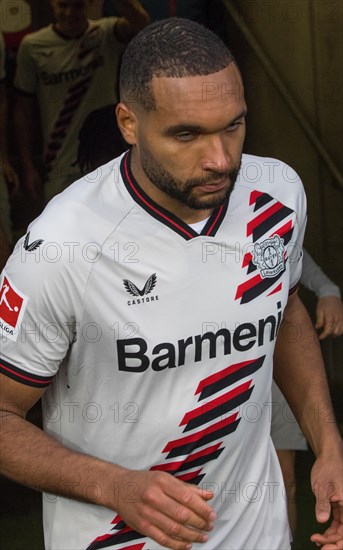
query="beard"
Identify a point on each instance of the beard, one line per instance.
(183, 191)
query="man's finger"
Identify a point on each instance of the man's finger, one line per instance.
(339, 329)
(175, 512)
(177, 531)
(325, 332)
(319, 318)
(323, 504)
(193, 498)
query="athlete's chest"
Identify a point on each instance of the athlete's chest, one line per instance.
(60, 62)
(164, 311)
(146, 271)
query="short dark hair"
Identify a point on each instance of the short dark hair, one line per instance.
(173, 47)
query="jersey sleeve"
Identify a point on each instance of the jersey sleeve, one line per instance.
(37, 310)
(109, 26)
(295, 252)
(313, 278)
(26, 74)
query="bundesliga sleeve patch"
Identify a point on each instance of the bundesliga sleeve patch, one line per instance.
(12, 308)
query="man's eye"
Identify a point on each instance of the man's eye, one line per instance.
(184, 136)
(233, 126)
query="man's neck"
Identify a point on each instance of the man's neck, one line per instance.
(182, 211)
(70, 34)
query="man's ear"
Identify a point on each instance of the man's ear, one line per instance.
(127, 122)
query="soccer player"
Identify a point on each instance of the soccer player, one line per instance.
(68, 69)
(285, 431)
(149, 300)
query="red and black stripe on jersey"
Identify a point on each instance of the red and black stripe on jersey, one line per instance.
(196, 459)
(163, 215)
(261, 225)
(267, 219)
(217, 407)
(254, 287)
(22, 376)
(126, 534)
(218, 381)
(186, 445)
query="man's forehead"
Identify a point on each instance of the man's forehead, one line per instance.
(224, 86)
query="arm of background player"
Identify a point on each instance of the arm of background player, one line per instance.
(23, 120)
(168, 510)
(133, 19)
(329, 316)
(4, 248)
(300, 374)
(9, 173)
(329, 310)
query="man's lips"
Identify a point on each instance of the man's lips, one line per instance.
(214, 186)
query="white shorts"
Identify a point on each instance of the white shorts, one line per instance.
(285, 430)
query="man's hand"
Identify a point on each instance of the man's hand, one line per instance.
(329, 316)
(171, 512)
(134, 18)
(154, 503)
(332, 538)
(327, 485)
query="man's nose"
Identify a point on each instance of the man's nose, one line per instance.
(216, 155)
(70, 10)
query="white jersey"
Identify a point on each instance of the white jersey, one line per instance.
(169, 337)
(70, 77)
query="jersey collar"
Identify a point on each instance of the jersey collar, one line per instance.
(69, 38)
(163, 215)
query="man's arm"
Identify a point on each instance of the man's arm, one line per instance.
(172, 512)
(329, 310)
(133, 19)
(329, 316)
(313, 278)
(300, 374)
(23, 120)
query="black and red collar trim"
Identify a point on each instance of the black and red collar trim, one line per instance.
(163, 215)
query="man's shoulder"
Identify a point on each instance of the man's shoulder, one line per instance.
(42, 37)
(105, 24)
(269, 167)
(273, 177)
(89, 208)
